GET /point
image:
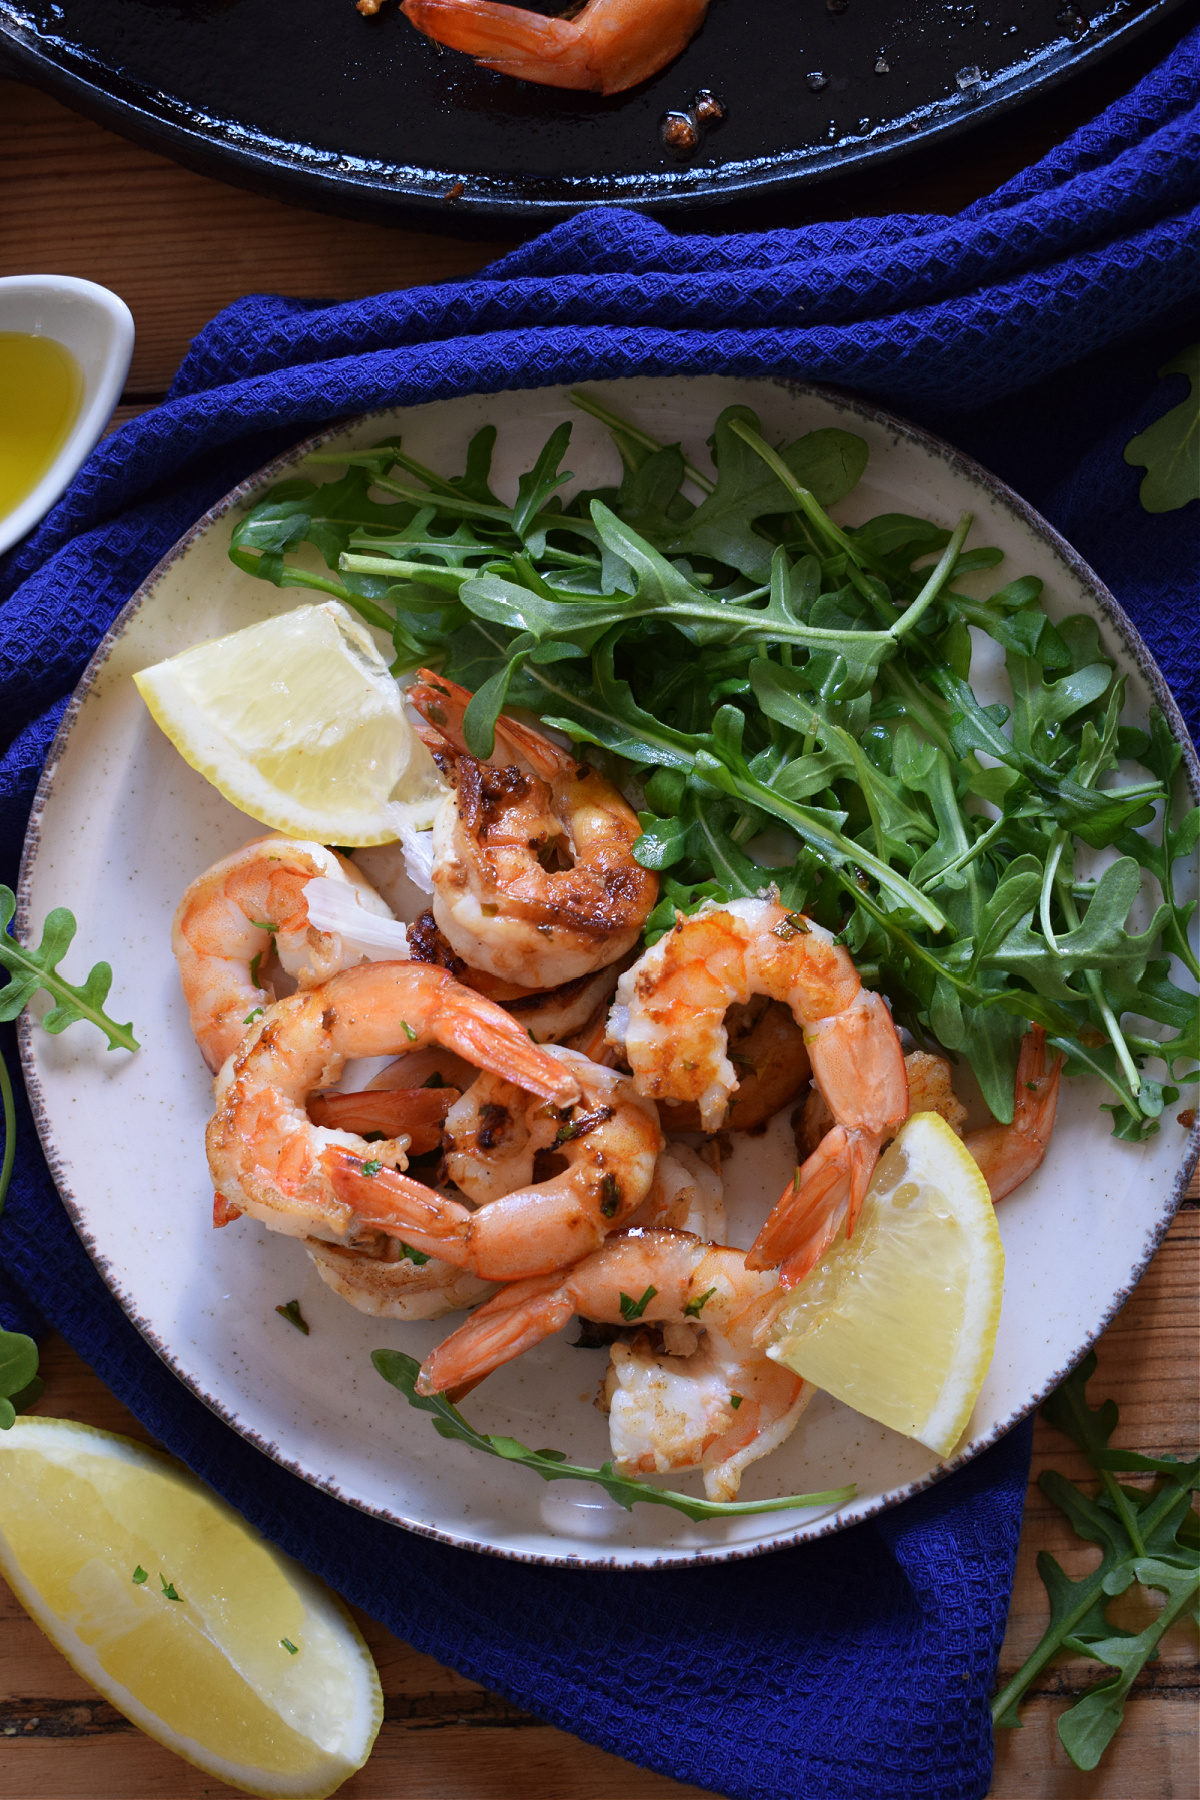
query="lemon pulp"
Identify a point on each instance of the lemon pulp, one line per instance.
(41, 387)
(254, 1672)
(900, 1322)
(298, 722)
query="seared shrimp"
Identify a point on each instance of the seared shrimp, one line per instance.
(533, 872)
(265, 1155)
(608, 46)
(1008, 1154)
(549, 1016)
(609, 1141)
(230, 916)
(721, 1406)
(766, 1046)
(687, 1194)
(669, 1020)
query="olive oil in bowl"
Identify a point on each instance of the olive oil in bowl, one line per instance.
(41, 390)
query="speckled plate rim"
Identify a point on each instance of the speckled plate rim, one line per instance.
(1112, 614)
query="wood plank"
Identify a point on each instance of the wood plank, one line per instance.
(445, 1738)
(177, 247)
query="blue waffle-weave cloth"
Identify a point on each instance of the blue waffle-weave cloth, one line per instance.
(1029, 328)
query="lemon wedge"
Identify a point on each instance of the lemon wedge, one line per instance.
(181, 1615)
(900, 1322)
(298, 722)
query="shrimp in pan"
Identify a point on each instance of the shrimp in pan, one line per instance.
(669, 1022)
(719, 1402)
(265, 1155)
(533, 872)
(609, 1141)
(228, 920)
(606, 47)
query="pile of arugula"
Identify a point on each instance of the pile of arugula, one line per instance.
(789, 701)
(29, 971)
(1150, 1535)
(401, 1372)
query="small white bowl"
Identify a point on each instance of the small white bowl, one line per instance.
(97, 328)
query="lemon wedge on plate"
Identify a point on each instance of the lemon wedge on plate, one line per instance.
(900, 1322)
(181, 1615)
(298, 722)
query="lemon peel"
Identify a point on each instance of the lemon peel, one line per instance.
(181, 1615)
(298, 721)
(900, 1322)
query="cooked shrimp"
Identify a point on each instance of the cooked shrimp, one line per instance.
(1008, 1154)
(499, 899)
(929, 1090)
(609, 1140)
(265, 1155)
(228, 920)
(766, 1046)
(549, 1015)
(669, 1020)
(720, 1406)
(687, 1194)
(381, 1275)
(607, 47)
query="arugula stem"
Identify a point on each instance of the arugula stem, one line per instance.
(1046, 1650)
(404, 571)
(1057, 846)
(1096, 989)
(636, 435)
(807, 502)
(10, 1130)
(938, 578)
(1128, 1515)
(968, 855)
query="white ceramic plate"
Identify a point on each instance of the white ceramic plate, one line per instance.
(121, 825)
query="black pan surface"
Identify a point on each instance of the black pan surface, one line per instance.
(309, 100)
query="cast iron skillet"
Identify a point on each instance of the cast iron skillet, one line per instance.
(306, 99)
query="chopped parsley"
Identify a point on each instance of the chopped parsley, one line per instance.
(252, 1017)
(610, 1196)
(287, 1644)
(139, 1575)
(408, 1031)
(291, 1312)
(695, 1307)
(168, 1588)
(735, 1400)
(633, 1309)
(414, 1256)
(372, 1168)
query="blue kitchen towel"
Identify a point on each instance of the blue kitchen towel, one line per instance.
(1029, 328)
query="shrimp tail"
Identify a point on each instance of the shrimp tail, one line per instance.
(826, 1194)
(489, 1038)
(513, 1321)
(1008, 1154)
(385, 1200)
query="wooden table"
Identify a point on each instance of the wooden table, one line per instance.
(76, 200)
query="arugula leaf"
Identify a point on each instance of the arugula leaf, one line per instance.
(20, 1385)
(828, 463)
(1145, 1535)
(401, 1372)
(1169, 450)
(34, 969)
